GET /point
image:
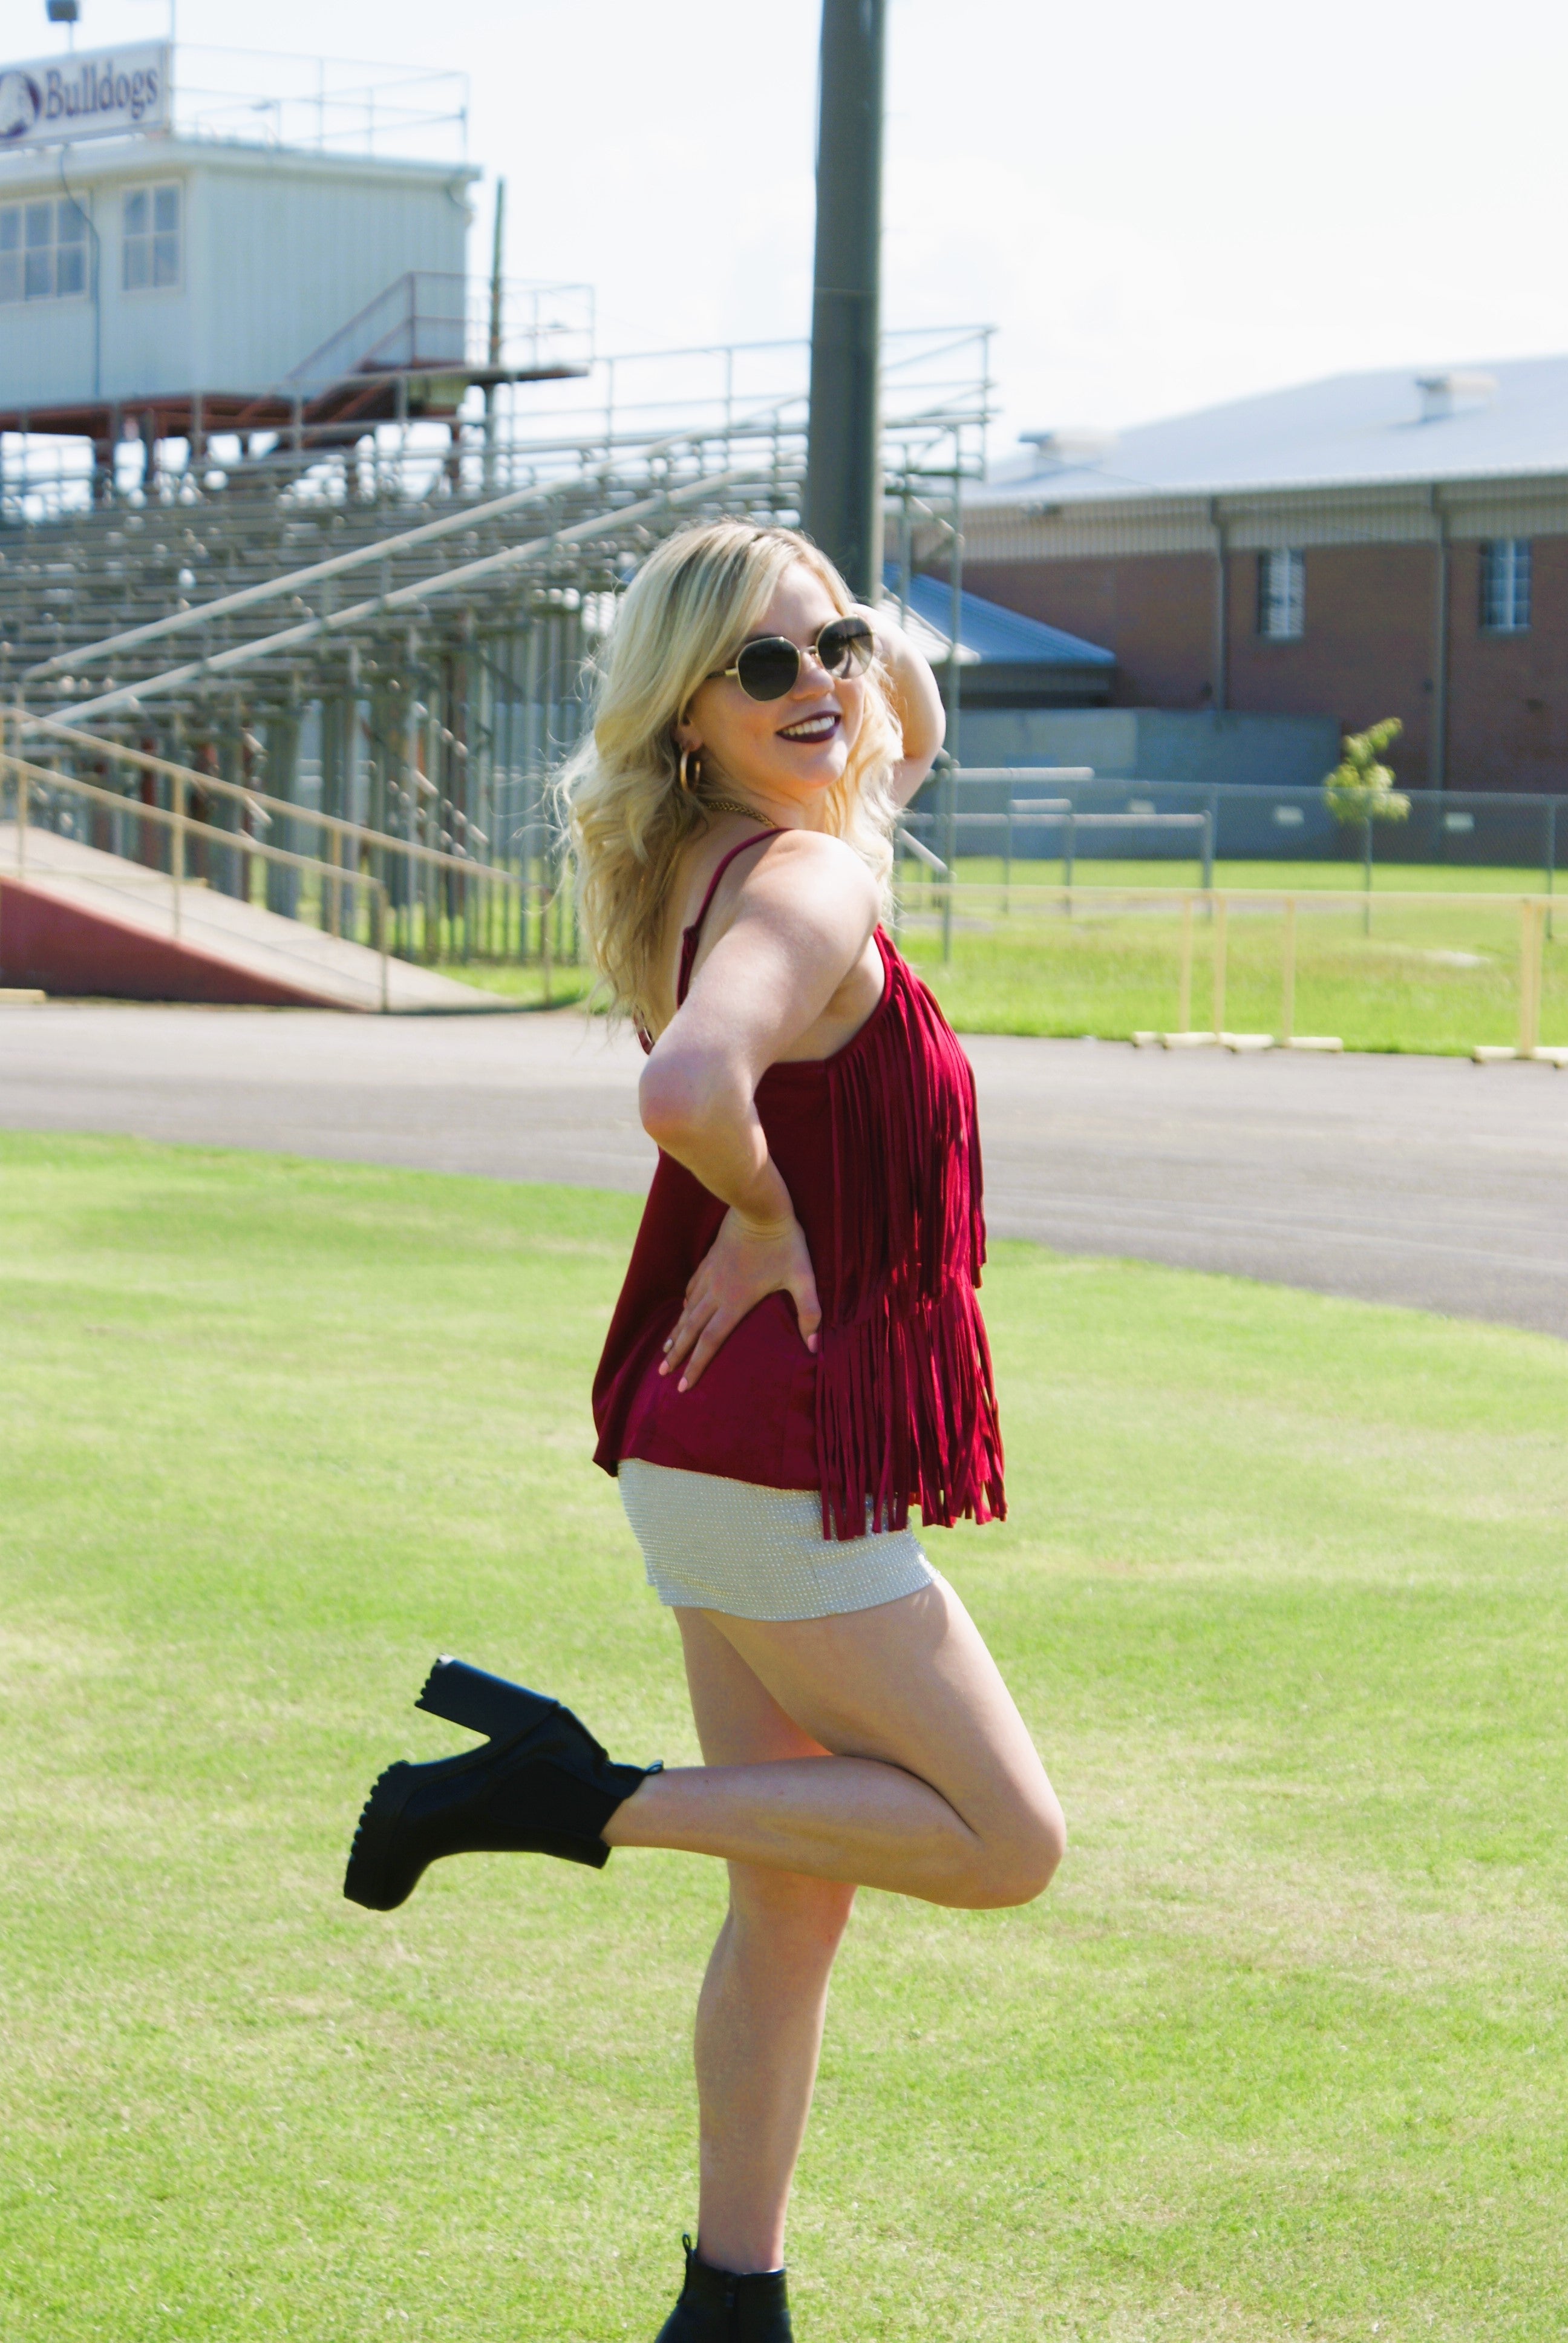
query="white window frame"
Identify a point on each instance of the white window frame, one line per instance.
(46, 250)
(140, 257)
(1505, 585)
(1283, 595)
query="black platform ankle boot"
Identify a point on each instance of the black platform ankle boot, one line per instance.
(541, 1786)
(717, 2307)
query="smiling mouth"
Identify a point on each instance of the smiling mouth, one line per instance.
(810, 728)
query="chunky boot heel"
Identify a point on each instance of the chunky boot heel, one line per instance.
(718, 2307)
(540, 1786)
(483, 1704)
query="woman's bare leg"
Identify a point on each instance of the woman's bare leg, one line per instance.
(759, 2018)
(932, 1787)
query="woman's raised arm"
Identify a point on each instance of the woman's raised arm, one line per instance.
(917, 702)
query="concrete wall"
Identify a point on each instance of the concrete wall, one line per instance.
(60, 948)
(1152, 744)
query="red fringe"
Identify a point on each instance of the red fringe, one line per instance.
(906, 1401)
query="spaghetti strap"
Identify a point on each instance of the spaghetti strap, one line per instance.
(692, 936)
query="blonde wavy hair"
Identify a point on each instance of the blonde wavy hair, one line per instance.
(684, 618)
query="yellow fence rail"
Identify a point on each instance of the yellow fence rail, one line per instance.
(941, 897)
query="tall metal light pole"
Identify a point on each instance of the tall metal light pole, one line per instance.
(843, 453)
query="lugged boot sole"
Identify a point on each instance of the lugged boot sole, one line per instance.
(364, 1881)
(393, 1849)
(460, 1694)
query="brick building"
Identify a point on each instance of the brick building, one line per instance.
(1374, 545)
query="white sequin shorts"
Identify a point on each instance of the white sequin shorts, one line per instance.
(712, 1544)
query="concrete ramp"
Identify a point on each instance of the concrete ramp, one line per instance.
(79, 922)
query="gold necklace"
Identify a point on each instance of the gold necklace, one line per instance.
(732, 805)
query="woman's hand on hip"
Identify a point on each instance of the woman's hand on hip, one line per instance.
(747, 1261)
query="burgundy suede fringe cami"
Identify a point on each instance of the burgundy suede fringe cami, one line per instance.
(880, 1150)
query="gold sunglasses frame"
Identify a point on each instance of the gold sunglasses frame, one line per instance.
(732, 674)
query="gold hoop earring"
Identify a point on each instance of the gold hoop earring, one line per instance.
(690, 770)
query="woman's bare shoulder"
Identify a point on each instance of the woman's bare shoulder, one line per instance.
(807, 866)
(801, 895)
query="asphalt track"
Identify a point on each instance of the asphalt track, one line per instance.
(1422, 1180)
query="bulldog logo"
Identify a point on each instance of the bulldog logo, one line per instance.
(21, 103)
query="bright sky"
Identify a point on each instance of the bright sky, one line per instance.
(1160, 207)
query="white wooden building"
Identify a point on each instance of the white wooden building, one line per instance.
(153, 268)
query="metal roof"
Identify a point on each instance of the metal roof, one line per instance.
(1401, 425)
(987, 632)
(131, 158)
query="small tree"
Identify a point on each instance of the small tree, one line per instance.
(1360, 788)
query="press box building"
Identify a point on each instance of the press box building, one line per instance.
(165, 283)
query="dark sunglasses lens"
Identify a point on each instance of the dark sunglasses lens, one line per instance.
(767, 668)
(845, 647)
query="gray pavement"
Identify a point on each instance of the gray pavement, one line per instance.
(1423, 1181)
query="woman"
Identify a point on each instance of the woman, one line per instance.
(797, 1356)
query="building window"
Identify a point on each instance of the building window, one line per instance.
(152, 239)
(43, 250)
(1505, 586)
(1281, 596)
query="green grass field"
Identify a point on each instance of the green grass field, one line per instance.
(1433, 977)
(1281, 2055)
(521, 981)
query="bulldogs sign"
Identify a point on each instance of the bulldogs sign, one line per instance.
(101, 93)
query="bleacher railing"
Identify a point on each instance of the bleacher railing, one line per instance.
(26, 782)
(414, 890)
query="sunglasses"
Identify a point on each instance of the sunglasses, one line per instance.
(769, 668)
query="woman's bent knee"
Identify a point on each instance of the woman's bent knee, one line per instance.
(1016, 1864)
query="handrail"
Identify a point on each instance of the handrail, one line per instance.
(182, 824)
(1024, 773)
(910, 844)
(383, 841)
